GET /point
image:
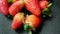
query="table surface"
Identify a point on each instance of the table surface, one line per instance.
(50, 26)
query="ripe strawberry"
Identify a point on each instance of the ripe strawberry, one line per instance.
(33, 7)
(16, 7)
(43, 4)
(33, 21)
(4, 7)
(17, 21)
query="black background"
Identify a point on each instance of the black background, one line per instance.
(49, 26)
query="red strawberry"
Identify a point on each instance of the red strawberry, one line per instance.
(33, 21)
(17, 21)
(16, 7)
(33, 7)
(4, 7)
(43, 4)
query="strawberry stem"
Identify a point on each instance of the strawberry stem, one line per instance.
(29, 32)
(32, 28)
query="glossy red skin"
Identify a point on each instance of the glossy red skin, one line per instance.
(33, 21)
(16, 7)
(33, 7)
(16, 25)
(4, 7)
(43, 4)
(17, 21)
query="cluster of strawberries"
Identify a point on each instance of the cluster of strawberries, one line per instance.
(35, 7)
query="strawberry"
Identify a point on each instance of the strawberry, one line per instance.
(32, 21)
(17, 21)
(16, 7)
(4, 7)
(43, 4)
(33, 7)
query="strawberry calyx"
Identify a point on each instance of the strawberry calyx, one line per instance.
(46, 11)
(27, 27)
(49, 5)
(9, 1)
